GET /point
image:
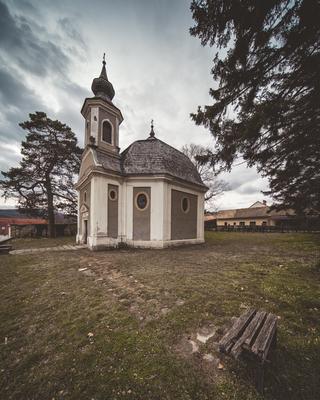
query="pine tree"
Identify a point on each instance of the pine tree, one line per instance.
(43, 182)
(266, 105)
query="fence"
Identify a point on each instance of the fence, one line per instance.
(264, 229)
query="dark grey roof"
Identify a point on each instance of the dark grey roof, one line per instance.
(153, 156)
(109, 162)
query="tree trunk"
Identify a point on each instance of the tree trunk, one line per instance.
(50, 209)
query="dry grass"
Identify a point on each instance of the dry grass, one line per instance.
(143, 305)
(33, 243)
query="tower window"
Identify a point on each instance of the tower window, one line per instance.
(107, 132)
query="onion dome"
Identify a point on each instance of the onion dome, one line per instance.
(101, 87)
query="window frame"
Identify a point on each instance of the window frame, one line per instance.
(116, 192)
(188, 204)
(112, 132)
(136, 201)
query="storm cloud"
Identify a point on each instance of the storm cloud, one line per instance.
(20, 43)
(51, 51)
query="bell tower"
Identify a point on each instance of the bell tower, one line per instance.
(102, 117)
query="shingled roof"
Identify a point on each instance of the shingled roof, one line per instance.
(153, 156)
(109, 161)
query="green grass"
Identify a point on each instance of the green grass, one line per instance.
(48, 307)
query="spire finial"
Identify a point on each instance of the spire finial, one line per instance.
(101, 86)
(152, 131)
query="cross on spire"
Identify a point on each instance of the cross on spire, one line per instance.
(104, 59)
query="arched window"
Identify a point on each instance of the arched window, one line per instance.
(107, 132)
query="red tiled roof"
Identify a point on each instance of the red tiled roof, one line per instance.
(22, 221)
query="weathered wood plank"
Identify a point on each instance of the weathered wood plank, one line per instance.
(259, 320)
(249, 334)
(264, 339)
(255, 332)
(236, 331)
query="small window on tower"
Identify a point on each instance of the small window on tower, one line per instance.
(107, 132)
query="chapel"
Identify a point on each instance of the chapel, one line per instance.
(149, 195)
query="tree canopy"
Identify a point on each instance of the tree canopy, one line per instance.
(266, 98)
(43, 182)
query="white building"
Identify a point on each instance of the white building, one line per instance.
(150, 195)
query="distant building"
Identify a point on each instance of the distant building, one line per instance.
(149, 195)
(15, 223)
(258, 214)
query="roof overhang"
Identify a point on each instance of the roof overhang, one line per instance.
(98, 101)
(127, 177)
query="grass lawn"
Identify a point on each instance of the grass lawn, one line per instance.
(142, 307)
(32, 243)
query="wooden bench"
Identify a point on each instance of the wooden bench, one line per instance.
(252, 334)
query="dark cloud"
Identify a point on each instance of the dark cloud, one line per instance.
(13, 92)
(23, 46)
(67, 26)
(25, 7)
(25, 51)
(17, 101)
(74, 90)
(51, 50)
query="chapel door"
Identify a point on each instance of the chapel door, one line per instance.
(85, 231)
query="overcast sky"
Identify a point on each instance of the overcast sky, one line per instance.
(51, 50)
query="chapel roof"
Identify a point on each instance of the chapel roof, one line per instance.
(153, 156)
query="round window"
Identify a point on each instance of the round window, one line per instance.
(142, 201)
(112, 194)
(185, 204)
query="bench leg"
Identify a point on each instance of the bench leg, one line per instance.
(260, 378)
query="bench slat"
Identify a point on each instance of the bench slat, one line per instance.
(236, 331)
(249, 334)
(263, 341)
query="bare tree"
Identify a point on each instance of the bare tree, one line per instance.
(199, 156)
